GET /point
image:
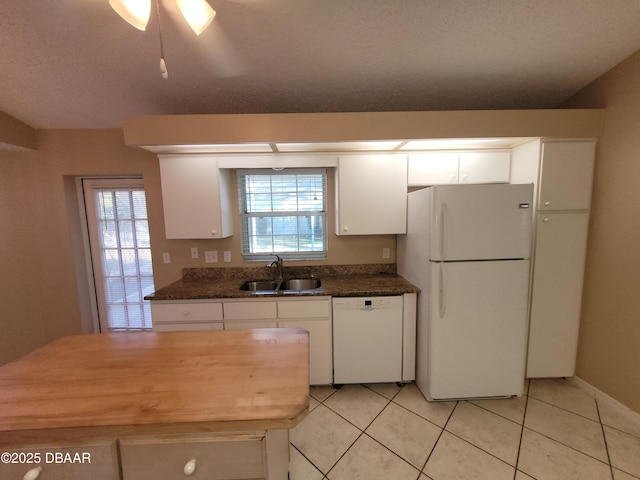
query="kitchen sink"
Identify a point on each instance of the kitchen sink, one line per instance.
(301, 284)
(260, 285)
(286, 286)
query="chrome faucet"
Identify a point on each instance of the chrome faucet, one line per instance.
(279, 266)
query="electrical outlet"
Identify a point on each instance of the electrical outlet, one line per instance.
(385, 252)
(166, 257)
(211, 256)
(227, 256)
(194, 252)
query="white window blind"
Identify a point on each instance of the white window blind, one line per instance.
(124, 252)
(284, 213)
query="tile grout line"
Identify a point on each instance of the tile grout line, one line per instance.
(307, 459)
(439, 437)
(573, 413)
(604, 437)
(351, 423)
(524, 417)
(565, 409)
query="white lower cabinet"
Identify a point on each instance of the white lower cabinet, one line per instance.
(310, 313)
(173, 316)
(315, 317)
(556, 293)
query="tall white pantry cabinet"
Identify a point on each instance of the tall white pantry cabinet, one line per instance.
(562, 172)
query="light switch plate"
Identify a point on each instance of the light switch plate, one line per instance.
(227, 256)
(194, 252)
(385, 252)
(166, 257)
(211, 256)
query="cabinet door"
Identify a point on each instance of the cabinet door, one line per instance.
(195, 198)
(320, 349)
(484, 167)
(437, 168)
(371, 194)
(561, 243)
(566, 175)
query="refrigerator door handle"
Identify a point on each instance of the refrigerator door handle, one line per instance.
(444, 231)
(443, 292)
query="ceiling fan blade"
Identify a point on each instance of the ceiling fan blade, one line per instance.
(136, 13)
(215, 51)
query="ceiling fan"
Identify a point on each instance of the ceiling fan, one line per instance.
(197, 13)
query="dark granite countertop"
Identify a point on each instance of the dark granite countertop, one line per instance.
(336, 281)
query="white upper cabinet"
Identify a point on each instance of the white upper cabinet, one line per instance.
(435, 168)
(371, 194)
(484, 167)
(566, 175)
(440, 168)
(195, 197)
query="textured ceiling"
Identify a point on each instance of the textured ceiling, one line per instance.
(77, 64)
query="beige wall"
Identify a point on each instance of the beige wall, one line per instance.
(42, 281)
(609, 348)
(42, 277)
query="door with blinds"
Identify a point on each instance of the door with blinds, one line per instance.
(120, 252)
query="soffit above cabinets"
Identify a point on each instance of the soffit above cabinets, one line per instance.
(362, 146)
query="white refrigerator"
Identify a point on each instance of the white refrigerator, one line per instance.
(468, 249)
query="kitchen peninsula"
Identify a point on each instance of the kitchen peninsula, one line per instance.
(155, 405)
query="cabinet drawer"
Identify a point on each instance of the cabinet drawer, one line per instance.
(249, 310)
(216, 457)
(183, 326)
(97, 462)
(304, 309)
(186, 312)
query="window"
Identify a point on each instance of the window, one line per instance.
(121, 252)
(283, 212)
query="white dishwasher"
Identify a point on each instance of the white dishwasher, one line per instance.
(367, 339)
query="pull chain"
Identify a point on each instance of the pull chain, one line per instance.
(163, 65)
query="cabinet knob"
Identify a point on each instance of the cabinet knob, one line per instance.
(547, 203)
(346, 229)
(32, 474)
(213, 232)
(185, 313)
(545, 219)
(453, 179)
(189, 467)
(464, 178)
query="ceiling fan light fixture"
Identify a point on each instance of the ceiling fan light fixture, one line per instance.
(136, 12)
(197, 13)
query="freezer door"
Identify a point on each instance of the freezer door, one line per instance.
(477, 329)
(477, 222)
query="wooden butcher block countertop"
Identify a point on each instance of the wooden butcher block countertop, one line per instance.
(161, 381)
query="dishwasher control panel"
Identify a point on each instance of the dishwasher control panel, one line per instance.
(367, 303)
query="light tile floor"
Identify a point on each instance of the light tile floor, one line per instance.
(388, 432)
